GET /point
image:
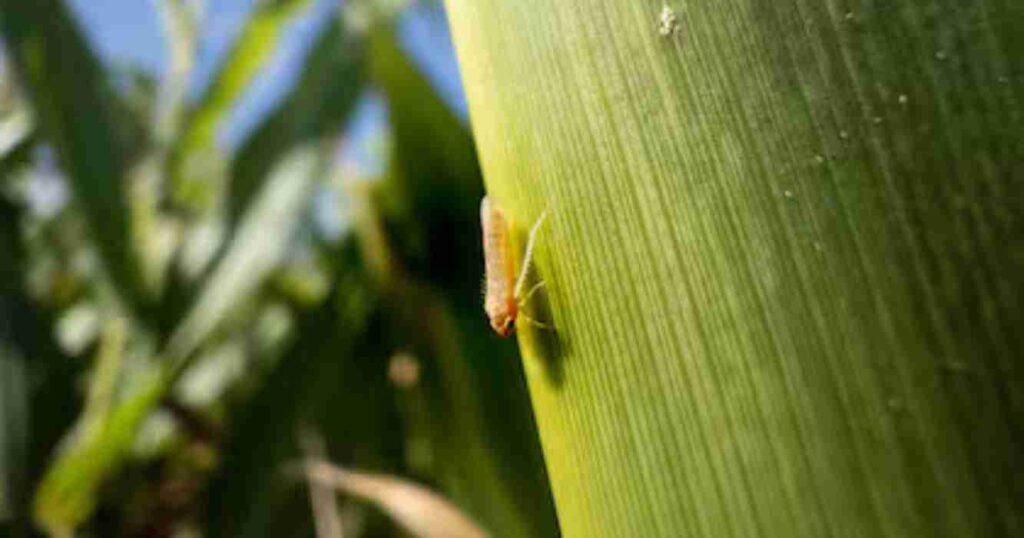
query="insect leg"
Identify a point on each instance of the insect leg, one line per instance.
(533, 322)
(526, 297)
(528, 256)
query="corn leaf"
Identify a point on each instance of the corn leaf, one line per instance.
(782, 257)
(69, 492)
(317, 107)
(79, 115)
(253, 48)
(37, 383)
(245, 495)
(293, 149)
(97, 448)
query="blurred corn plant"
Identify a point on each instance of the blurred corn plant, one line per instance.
(168, 333)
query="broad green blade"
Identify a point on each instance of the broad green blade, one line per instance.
(255, 250)
(78, 114)
(69, 491)
(37, 384)
(318, 107)
(251, 51)
(782, 253)
(37, 405)
(274, 179)
(430, 139)
(317, 368)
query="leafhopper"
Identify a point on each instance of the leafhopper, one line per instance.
(503, 287)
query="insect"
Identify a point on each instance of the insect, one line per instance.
(503, 291)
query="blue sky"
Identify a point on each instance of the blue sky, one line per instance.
(123, 31)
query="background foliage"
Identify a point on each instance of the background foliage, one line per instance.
(170, 336)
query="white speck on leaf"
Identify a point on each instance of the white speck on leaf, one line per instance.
(902, 99)
(668, 21)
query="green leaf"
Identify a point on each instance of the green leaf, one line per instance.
(253, 48)
(785, 294)
(318, 107)
(434, 184)
(38, 404)
(256, 249)
(78, 114)
(431, 142)
(37, 383)
(69, 491)
(332, 340)
(68, 494)
(273, 180)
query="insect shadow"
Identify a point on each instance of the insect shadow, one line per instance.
(548, 346)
